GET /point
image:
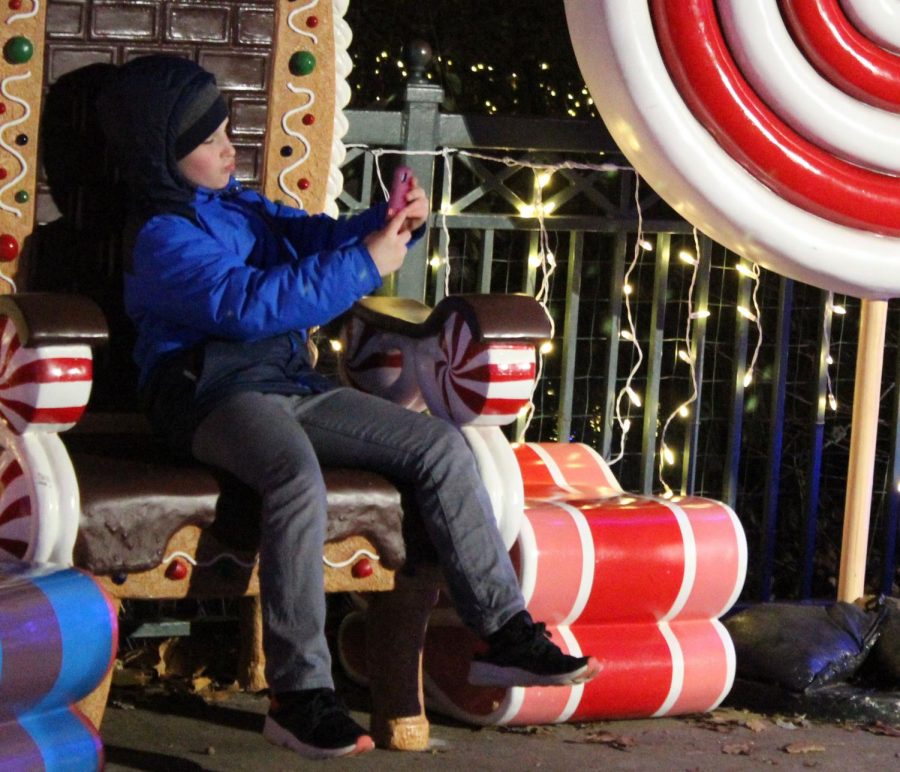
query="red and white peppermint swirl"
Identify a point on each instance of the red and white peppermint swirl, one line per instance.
(45, 388)
(380, 363)
(18, 519)
(468, 382)
(770, 125)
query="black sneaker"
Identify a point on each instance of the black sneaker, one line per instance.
(521, 654)
(315, 724)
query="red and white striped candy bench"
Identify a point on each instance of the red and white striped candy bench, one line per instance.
(105, 498)
(638, 581)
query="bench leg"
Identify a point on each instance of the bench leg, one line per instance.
(252, 664)
(395, 637)
(94, 705)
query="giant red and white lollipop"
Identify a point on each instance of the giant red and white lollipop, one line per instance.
(772, 126)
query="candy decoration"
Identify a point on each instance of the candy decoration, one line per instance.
(875, 25)
(321, 63)
(302, 63)
(652, 622)
(798, 171)
(18, 50)
(58, 635)
(842, 54)
(303, 183)
(362, 569)
(44, 388)
(794, 89)
(18, 521)
(645, 87)
(379, 363)
(309, 119)
(177, 570)
(21, 81)
(465, 381)
(741, 162)
(9, 248)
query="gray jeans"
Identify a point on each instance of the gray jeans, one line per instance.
(276, 444)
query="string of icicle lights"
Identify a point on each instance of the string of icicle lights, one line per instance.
(627, 397)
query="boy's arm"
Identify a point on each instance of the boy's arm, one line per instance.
(309, 234)
(183, 275)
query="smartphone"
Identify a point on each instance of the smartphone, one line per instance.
(400, 186)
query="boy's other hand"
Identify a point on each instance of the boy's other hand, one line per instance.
(416, 207)
(387, 246)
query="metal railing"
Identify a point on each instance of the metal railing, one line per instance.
(766, 426)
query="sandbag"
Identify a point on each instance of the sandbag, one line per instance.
(801, 648)
(882, 666)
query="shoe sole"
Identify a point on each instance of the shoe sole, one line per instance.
(278, 735)
(488, 674)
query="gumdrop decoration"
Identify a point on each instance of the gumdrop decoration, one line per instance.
(18, 50)
(302, 63)
(9, 248)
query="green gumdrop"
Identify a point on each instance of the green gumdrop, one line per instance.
(302, 63)
(22, 197)
(18, 50)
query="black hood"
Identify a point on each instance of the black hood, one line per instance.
(140, 109)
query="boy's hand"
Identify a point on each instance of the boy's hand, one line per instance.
(416, 207)
(387, 246)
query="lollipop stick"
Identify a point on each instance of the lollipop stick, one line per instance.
(866, 397)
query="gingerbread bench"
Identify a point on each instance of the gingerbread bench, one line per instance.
(107, 499)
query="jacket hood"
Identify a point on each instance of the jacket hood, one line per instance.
(140, 109)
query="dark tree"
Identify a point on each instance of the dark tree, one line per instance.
(511, 58)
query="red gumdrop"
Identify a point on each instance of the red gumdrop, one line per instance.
(9, 248)
(176, 570)
(362, 569)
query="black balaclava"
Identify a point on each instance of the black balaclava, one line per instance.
(154, 111)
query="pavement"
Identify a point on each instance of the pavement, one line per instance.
(176, 731)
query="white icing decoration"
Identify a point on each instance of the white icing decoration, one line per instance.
(12, 151)
(297, 135)
(221, 556)
(296, 29)
(351, 560)
(343, 65)
(27, 14)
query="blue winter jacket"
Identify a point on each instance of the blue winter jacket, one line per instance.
(245, 270)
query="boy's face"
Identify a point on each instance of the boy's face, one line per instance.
(211, 163)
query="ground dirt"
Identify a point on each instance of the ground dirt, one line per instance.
(164, 729)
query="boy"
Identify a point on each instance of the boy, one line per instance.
(221, 285)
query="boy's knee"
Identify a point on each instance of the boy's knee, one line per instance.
(447, 444)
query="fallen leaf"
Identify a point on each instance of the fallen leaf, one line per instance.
(757, 725)
(737, 749)
(879, 727)
(617, 741)
(802, 747)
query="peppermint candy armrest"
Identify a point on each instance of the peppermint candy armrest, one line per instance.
(45, 359)
(46, 372)
(471, 360)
